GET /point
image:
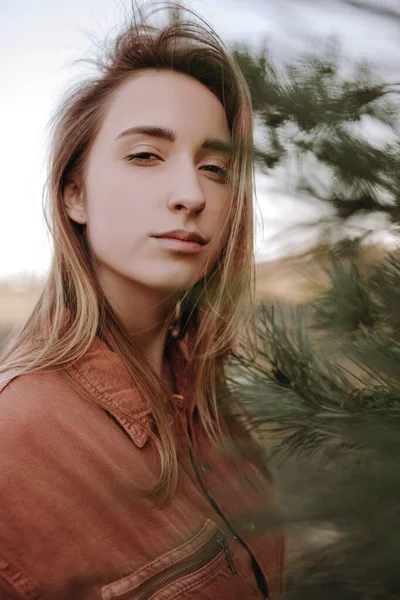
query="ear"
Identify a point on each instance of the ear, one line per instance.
(73, 198)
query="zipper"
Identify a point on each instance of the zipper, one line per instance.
(211, 549)
(261, 581)
(223, 541)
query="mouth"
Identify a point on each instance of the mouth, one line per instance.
(179, 245)
(178, 240)
(182, 235)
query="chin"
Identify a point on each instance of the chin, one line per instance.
(173, 280)
(171, 287)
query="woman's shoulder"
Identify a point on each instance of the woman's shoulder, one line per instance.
(41, 417)
(30, 401)
(28, 389)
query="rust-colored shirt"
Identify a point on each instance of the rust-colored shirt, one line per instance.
(72, 524)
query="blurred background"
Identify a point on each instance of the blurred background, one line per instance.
(325, 391)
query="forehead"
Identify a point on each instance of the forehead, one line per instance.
(168, 99)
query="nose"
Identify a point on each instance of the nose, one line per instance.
(187, 193)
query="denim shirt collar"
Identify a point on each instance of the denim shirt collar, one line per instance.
(102, 373)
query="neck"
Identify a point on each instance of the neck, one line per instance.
(145, 313)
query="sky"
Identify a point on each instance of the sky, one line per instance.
(39, 42)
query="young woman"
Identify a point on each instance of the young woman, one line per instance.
(116, 479)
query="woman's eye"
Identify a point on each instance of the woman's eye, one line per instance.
(146, 157)
(222, 173)
(141, 157)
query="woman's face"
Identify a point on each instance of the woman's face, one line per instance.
(139, 183)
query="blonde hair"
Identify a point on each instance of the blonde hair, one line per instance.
(73, 309)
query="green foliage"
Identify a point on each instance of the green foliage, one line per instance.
(333, 429)
(313, 112)
(323, 391)
(347, 305)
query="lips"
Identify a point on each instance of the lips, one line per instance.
(176, 239)
(183, 235)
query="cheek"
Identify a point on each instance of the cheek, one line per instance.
(219, 215)
(106, 190)
(218, 203)
(225, 204)
(115, 205)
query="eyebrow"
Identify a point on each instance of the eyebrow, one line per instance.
(164, 133)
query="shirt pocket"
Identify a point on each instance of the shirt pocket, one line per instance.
(204, 568)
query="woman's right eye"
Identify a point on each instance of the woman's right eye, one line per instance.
(141, 156)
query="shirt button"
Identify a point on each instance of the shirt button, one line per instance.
(206, 467)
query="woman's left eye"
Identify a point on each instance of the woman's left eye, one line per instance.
(217, 170)
(140, 156)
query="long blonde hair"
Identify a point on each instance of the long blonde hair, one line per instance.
(72, 309)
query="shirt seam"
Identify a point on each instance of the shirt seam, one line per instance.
(19, 581)
(132, 424)
(102, 394)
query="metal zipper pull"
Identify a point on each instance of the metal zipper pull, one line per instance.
(222, 541)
